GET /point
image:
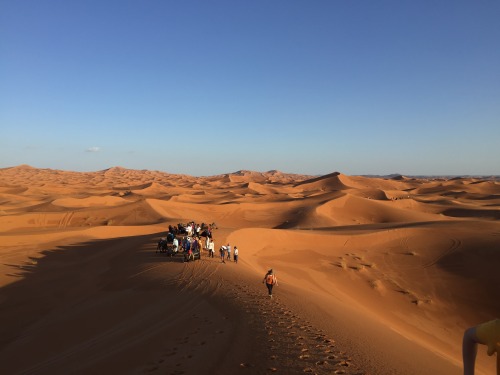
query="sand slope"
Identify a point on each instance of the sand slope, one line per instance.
(376, 276)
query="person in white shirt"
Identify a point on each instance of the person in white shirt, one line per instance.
(211, 248)
(235, 254)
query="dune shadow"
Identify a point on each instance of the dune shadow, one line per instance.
(477, 267)
(67, 274)
(473, 213)
(372, 227)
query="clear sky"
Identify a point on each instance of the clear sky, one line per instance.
(208, 87)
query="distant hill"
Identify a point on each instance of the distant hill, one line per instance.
(270, 176)
(397, 176)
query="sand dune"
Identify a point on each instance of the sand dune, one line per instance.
(89, 202)
(329, 182)
(376, 276)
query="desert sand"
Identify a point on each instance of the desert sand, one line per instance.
(376, 276)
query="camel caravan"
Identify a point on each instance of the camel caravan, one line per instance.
(188, 240)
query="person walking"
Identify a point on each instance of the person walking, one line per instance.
(194, 245)
(211, 248)
(270, 280)
(186, 244)
(200, 245)
(222, 253)
(207, 241)
(235, 255)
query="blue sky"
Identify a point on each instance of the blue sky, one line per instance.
(209, 87)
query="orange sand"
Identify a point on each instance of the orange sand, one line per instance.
(376, 276)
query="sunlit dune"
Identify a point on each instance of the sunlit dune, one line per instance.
(89, 202)
(376, 275)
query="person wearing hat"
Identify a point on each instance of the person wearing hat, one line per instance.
(222, 251)
(270, 280)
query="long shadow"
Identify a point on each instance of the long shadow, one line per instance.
(66, 273)
(360, 228)
(477, 265)
(488, 214)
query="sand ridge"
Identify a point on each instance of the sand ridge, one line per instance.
(376, 276)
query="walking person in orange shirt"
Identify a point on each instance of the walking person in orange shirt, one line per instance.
(270, 280)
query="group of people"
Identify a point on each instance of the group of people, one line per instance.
(191, 244)
(192, 229)
(191, 241)
(188, 238)
(225, 253)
